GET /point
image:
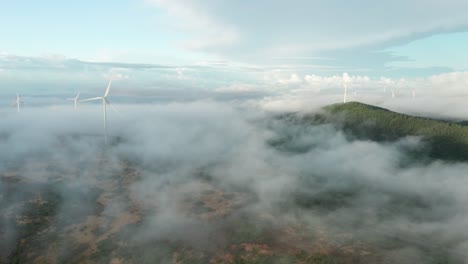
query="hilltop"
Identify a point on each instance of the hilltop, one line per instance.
(446, 140)
(442, 139)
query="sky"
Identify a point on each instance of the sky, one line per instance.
(211, 45)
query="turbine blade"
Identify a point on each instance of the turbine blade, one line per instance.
(92, 99)
(77, 96)
(108, 88)
(113, 108)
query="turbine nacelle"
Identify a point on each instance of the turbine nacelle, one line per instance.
(75, 100)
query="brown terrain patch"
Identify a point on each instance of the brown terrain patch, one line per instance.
(24, 220)
(116, 261)
(10, 177)
(218, 204)
(258, 249)
(244, 251)
(206, 201)
(85, 233)
(38, 201)
(186, 255)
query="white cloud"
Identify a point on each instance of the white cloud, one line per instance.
(447, 84)
(116, 74)
(317, 82)
(278, 77)
(190, 17)
(238, 88)
(455, 82)
(442, 95)
(300, 27)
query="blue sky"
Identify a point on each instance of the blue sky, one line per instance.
(88, 30)
(448, 50)
(221, 43)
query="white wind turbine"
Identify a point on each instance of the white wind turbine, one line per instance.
(75, 99)
(386, 82)
(105, 102)
(345, 84)
(18, 102)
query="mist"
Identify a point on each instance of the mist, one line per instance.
(209, 176)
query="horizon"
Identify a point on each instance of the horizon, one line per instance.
(153, 46)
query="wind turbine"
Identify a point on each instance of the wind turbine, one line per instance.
(386, 83)
(105, 102)
(18, 102)
(75, 99)
(345, 84)
(345, 91)
(393, 93)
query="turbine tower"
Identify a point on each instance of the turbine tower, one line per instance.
(75, 99)
(18, 102)
(105, 102)
(386, 83)
(345, 91)
(345, 84)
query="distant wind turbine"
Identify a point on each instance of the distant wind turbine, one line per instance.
(345, 84)
(345, 91)
(386, 83)
(105, 102)
(393, 93)
(75, 99)
(18, 102)
(414, 93)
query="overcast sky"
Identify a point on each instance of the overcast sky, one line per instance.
(213, 44)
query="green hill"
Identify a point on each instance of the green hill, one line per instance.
(446, 140)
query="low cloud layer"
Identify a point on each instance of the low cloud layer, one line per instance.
(163, 158)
